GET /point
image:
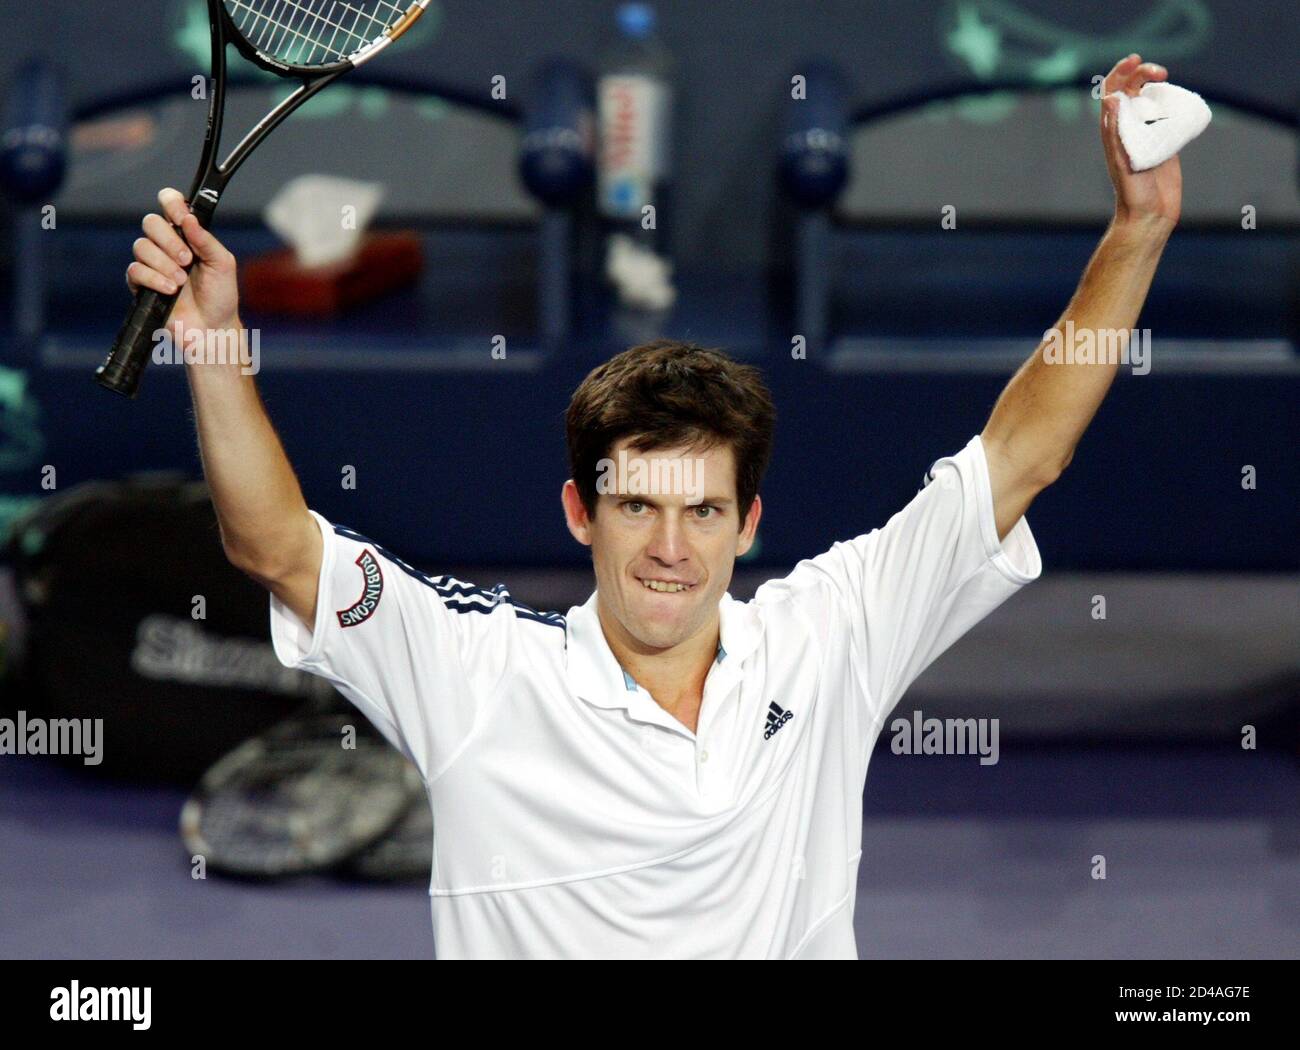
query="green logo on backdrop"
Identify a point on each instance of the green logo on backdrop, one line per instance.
(997, 40)
(21, 441)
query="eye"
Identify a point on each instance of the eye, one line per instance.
(633, 506)
(705, 511)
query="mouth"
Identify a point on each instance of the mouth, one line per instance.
(666, 586)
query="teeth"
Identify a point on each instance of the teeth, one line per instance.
(666, 588)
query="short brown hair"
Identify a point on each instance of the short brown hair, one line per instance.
(669, 394)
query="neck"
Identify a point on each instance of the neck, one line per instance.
(673, 676)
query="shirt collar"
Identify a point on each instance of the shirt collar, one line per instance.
(595, 675)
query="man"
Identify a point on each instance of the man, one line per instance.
(664, 771)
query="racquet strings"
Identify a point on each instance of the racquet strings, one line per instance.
(313, 32)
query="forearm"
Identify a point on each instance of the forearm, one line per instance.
(1043, 412)
(265, 527)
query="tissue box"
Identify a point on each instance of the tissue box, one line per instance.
(276, 283)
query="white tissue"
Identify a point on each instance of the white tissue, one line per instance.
(643, 279)
(1158, 122)
(322, 217)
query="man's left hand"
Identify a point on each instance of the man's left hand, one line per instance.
(1146, 199)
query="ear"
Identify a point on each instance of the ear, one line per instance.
(575, 513)
(749, 530)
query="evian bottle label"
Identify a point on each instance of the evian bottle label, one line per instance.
(633, 142)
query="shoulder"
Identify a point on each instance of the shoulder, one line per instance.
(478, 605)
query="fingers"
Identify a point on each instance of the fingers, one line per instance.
(205, 246)
(164, 235)
(173, 205)
(160, 256)
(151, 255)
(1117, 78)
(1146, 72)
(1130, 73)
(164, 252)
(138, 275)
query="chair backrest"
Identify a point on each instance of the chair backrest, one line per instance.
(465, 169)
(1034, 157)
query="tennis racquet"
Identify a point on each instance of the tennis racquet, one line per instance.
(312, 41)
(293, 800)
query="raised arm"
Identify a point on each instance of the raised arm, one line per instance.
(266, 529)
(1038, 421)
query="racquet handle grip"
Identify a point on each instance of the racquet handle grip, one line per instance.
(122, 370)
(126, 362)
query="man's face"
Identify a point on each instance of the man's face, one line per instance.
(664, 540)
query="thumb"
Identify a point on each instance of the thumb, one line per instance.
(206, 247)
(1110, 125)
(1110, 111)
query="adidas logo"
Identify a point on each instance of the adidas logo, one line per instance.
(776, 718)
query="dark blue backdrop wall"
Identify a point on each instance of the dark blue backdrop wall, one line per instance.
(733, 58)
(459, 468)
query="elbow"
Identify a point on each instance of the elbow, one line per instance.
(276, 556)
(1049, 472)
(1022, 467)
(243, 560)
(253, 563)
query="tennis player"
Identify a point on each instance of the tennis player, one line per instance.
(663, 771)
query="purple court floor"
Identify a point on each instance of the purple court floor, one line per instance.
(1202, 850)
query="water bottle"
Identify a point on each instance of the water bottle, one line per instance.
(634, 98)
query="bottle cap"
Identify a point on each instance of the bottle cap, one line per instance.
(636, 20)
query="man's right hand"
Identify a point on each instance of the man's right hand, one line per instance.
(209, 293)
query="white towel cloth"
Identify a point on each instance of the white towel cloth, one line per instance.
(643, 279)
(1157, 123)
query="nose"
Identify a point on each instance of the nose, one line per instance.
(668, 545)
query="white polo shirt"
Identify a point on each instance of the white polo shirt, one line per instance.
(574, 817)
